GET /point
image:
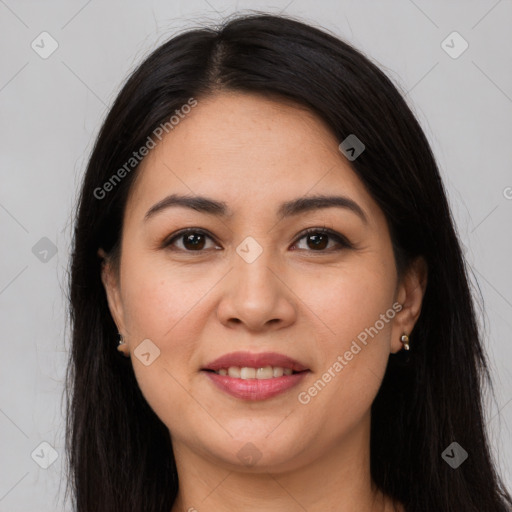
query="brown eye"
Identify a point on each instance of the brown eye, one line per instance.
(318, 239)
(192, 240)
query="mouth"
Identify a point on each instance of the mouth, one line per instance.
(247, 372)
(245, 362)
(250, 376)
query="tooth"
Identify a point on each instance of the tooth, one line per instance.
(234, 371)
(264, 373)
(278, 371)
(247, 373)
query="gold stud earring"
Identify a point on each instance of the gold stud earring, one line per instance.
(405, 341)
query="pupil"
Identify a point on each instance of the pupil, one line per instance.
(192, 239)
(317, 244)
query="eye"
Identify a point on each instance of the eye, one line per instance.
(318, 239)
(193, 240)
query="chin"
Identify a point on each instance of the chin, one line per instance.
(257, 449)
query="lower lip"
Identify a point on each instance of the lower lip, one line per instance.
(255, 389)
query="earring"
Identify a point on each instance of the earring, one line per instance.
(405, 341)
(120, 344)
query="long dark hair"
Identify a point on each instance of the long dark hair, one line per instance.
(119, 452)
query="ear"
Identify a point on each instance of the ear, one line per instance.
(110, 282)
(410, 293)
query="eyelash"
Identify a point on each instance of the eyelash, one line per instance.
(340, 239)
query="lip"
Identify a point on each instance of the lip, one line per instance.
(255, 389)
(254, 360)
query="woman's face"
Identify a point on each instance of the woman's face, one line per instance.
(246, 278)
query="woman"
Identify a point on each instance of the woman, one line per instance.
(263, 227)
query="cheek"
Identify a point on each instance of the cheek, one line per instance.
(158, 299)
(354, 355)
(160, 309)
(350, 300)
(159, 305)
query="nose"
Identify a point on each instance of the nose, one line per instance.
(256, 296)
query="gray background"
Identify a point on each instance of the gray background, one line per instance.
(51, 110)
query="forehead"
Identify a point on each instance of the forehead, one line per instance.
(247, 150)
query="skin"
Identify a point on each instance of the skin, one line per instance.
(310, 304)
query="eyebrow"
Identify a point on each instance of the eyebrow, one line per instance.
(287, 209)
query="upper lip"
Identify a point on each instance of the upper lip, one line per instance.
(254, 360)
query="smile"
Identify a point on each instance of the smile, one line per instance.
(245, 384)
(267, 372)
